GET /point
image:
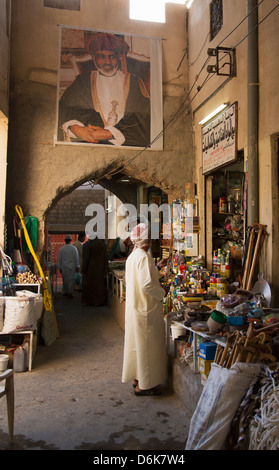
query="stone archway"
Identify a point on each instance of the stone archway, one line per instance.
(67, 214)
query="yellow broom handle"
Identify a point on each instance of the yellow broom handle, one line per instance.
(47, 296)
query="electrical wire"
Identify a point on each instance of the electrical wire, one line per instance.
(251, 31)
(245, 18)
(6, 263)
(173, 119)
(46, 295)
(182, 108)
(194, 61)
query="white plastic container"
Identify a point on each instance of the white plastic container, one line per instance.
(176, 331)
(19, 359)
(4, 360)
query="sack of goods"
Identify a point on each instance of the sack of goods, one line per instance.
(22, 312)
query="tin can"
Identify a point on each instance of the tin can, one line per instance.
(222, 287)
(227, 271)
(213, 282)
(222, 205)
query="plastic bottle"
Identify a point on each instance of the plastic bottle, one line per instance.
(169, 304)
(19, 360)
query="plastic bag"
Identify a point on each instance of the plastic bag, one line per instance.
(77, 279)
(31, 224)
(218, 403)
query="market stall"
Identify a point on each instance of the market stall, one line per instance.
(231, 342)
(224, 331)
(116, 284)
(26, 307)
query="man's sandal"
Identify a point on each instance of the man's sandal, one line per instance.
(149, 392)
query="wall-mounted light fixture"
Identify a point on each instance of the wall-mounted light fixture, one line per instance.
(213, 113)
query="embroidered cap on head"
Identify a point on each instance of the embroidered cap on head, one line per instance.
(107, 42)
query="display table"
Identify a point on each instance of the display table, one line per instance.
(118, 296)
(35, 288)
(205, 334)
(32, 346)
(22, 330)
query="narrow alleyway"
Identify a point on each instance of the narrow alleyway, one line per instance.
(73, 399)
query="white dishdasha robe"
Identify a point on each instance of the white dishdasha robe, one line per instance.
(145, 355)
(68, 263)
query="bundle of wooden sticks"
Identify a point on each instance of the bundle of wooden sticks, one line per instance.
(255, 237)
(250, 346)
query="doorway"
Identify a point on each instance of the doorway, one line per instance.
(226, 214)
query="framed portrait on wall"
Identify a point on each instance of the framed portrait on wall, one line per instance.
(109, 89)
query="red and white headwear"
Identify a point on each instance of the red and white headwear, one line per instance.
(140, 235)
(109, 42)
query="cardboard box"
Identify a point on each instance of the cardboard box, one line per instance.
(207, 350)
(204, 366)
(236, 252)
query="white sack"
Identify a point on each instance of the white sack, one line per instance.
(218, 403)
(19, 314)
(38, 301)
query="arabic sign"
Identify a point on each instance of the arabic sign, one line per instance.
(219, 140)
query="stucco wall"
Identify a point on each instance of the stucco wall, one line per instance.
(39, 172)
(218, 90)
(4, 107)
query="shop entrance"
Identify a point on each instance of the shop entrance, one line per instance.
(225, 208)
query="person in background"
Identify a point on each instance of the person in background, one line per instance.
(94, 271)
(79, 245)
(68, 264)
(120, 249)
(145, 354)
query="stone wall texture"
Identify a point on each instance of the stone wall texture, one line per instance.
(40, 173)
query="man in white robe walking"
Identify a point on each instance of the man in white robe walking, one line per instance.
(68, 264)
(145, 355)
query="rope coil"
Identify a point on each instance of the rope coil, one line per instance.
(264, 429)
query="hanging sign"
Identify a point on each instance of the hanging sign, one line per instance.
(219, 140)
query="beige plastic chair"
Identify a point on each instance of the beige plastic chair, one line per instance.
(7, 388)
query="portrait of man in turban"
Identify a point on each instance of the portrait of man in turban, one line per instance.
(108, 104)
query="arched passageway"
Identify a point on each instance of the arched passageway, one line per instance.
(70, 215)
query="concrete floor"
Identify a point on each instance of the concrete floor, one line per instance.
(74, 399)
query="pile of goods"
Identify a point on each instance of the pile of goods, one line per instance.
(233, 329)
(256, 424)
(27, 277)
(245, 346)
